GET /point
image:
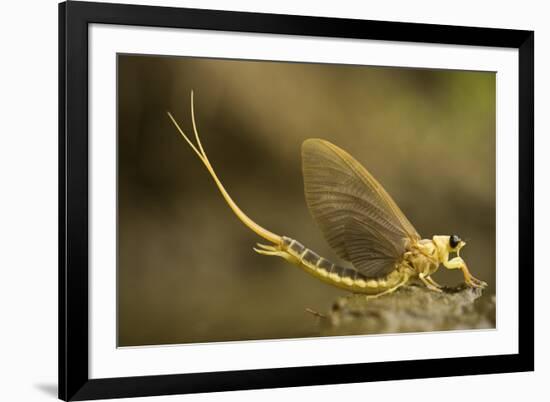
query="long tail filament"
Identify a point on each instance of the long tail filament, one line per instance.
(260, 231)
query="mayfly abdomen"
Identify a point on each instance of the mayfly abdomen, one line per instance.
(347, 278)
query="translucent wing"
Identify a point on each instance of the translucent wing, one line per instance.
(357, 216)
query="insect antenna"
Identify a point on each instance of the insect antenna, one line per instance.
(259, 230)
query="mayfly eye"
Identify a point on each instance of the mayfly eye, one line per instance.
(454, 241)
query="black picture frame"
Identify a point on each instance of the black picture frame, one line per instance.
(74, 381)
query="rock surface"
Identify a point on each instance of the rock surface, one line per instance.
(410, 309)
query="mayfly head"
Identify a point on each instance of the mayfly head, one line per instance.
(456, 243)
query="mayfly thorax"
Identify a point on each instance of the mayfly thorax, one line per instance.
(359, 220)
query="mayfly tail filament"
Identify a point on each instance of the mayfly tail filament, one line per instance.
(259, 230)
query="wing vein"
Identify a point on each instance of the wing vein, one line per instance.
(357, 217)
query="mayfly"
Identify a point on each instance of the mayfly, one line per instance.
(359, 220)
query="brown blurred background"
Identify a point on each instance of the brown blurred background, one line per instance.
(186, 268)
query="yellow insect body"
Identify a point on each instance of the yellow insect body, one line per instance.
(359, 220)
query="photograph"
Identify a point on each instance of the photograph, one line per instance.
(209, 201)
(266, 200)
(254, 200)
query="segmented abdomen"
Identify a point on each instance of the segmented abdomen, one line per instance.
(347, 278)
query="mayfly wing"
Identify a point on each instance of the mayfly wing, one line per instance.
(358, 218)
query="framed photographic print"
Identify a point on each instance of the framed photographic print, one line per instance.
(257, 200)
